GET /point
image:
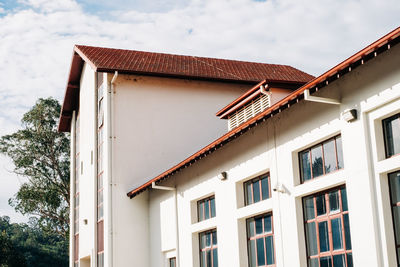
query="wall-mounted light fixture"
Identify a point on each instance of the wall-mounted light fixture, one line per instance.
(222, 176)
(349, 115)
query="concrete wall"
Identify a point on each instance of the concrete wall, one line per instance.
(273, 146)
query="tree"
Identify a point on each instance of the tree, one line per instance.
(41, 154)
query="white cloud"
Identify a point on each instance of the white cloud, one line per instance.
(37, 39)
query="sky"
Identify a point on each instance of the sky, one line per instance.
(37, 39)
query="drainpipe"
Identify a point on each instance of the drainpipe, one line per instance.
(325, 100)
(72, 193)
(167, 188)
(110, 134)
(94, 157)
(263, 90)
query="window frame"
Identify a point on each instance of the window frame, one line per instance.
(258, 236)
(327, 217)
(172, 262)
(309, 150)
(252, 181)
(210, 248)
(385, 141)
(203, 200)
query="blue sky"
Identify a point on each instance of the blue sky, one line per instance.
(37, 37)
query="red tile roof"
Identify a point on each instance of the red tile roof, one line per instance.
(167, 65)
(361, 57)
(159, 64)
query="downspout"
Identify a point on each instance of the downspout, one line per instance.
(263, 90)
(154, 186)
(72, 193)
(110, 134)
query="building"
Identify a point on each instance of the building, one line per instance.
(131, 115)
(311, 179)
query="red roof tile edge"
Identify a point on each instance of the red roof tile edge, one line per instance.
(379, 46)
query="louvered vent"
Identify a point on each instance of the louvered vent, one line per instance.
(257, 105)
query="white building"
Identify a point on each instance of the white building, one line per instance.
(133, 114)
(313, 179)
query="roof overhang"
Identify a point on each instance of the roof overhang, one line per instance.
(383, 44)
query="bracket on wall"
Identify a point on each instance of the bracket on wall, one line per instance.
(154, 186)
(325, 100)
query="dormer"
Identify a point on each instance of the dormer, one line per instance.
(254, 101)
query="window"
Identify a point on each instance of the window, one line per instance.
(326, 223)
(172, 262)
(394, 186)
(321, 159)
(260, 241)
(391, 131)
(206, 208)
(208, 249)
(257, 189)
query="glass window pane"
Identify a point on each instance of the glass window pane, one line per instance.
(265, 187)
(249, 193)
(313, 262)
(203, 259)
(260, 252)
(394, 179)
(252, 253)
(267, 224)
(309, 208)
(339, 261)
(212, 207)
(349, 260)
(347, 231)
(208, 258)
(325, 262)
(337, 238)
(256, 191)
(269, 241)
(396, 219)
(200, 210)
(316, 159)
(334, 201)
(339, 152)
(329, 156)
(206, 210)
(323, 236)
(214, 238)
(305, 165)
(344, 199)
(215, 257)
(259, 226)
(208, 239)
(320, 202)
(250, 228)
(392, 135)
(311, 235)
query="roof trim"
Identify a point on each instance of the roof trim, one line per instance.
(368, 53)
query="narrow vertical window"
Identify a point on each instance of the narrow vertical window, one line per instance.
(260, 241)
(327, 230)
(394, 185)
(321, 159)
(208, 249)
(257, 189)
(206, 208)
(391, 130)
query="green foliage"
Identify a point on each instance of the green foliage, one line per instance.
(41, 155)
(28, 245)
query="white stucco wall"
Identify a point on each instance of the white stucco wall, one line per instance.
(374, 90)
(87, 187)
(156, 122)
